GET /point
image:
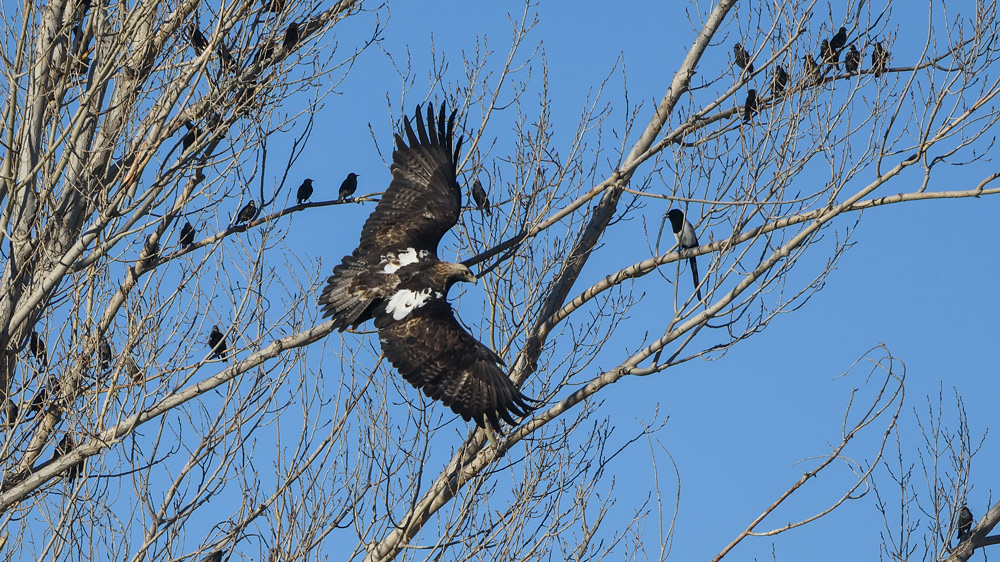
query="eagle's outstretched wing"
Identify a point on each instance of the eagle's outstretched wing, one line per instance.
(422, 202)
(435, 354)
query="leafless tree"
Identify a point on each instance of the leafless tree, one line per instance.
(128, 436)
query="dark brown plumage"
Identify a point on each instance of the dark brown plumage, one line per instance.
(247, 213)
(779, 81)
(742, 58)
(217, 341)
(479, 196)
(395, 277)
(750, 105)
(187, 235)
(215, 556)
(348, 187)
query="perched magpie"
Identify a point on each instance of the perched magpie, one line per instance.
(686, 238)
(964, 522)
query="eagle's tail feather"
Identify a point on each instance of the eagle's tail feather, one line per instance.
(336, 300)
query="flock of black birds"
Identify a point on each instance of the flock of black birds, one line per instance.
(829, 57)
(830, 50)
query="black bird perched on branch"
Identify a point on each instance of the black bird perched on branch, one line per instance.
(275, 6)
(743, 58)
(65, 447)
(198, 41)
(104, 353)
(152, 252)
(305, 191)
(10, 409)
(779, 81)
(828, 54)
(191, 136)
(36, 346)
(750, 106)
(395, 277)
(349, 186)
(479, 196)
(187, 235)
(852, 60)
(227, 57)
(686, 238)
(38, 402)
(812, 70)
(880, 59)
(217, 342)
(839, 39)
(291, 36)
(132, 369)
(247, 213)
(964, 522)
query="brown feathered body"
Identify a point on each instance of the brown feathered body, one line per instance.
(395, 277)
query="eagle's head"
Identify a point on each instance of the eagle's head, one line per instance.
(450, 273)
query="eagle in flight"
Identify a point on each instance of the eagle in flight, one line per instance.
(395, 277)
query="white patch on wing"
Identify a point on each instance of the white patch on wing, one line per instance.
(392, 262)
(404, 301)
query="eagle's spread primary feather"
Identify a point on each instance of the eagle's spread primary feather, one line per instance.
(395, 277)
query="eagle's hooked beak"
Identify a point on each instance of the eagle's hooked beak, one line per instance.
(471, 278)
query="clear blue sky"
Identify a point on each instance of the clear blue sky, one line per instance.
(919, 279)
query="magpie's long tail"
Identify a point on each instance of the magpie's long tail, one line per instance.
(694, 274)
